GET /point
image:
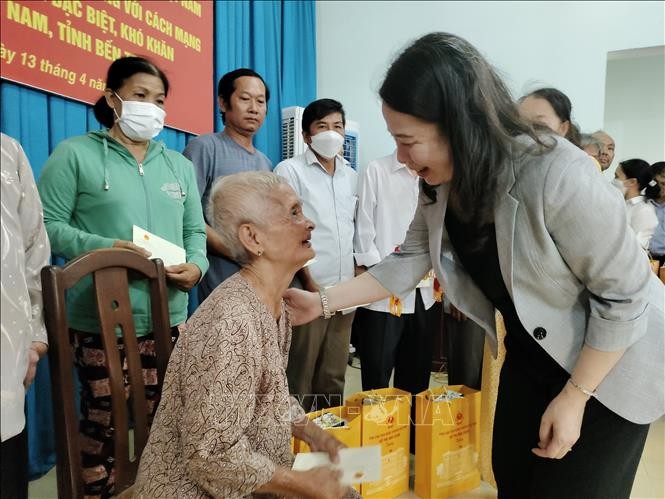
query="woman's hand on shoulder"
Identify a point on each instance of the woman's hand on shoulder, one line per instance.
(561, 424)
(304, 306)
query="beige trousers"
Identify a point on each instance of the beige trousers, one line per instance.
(317, 361)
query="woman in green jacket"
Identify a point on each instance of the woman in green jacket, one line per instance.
(94, 188)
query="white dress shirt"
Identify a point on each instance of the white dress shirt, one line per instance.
(642, 219)
(25, 250)
(387, 200)
(330, 202)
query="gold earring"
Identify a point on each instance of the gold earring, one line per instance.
(260, 252)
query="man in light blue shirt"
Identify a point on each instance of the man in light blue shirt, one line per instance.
(243, 99)
(326, 185)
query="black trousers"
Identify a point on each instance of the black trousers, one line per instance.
(464, 345)
(14, 464)
(602, 464)
(405, 343)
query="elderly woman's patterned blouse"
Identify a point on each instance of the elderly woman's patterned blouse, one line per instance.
(224, 422)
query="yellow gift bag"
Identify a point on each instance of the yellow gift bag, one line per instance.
(385, 421)
(447, 441)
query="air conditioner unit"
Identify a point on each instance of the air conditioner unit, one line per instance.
(351, 143)
(292, 141)
(294, 144)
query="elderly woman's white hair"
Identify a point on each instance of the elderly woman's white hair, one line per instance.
(239, 199)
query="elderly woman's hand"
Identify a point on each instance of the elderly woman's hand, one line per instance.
(321, 441)
(184, 276)
(304, 306)
(323, 483)
(318, 483)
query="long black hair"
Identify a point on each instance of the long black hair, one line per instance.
(119, 71)
(443, 79)
(562, 107)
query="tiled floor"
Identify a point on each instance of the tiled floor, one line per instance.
(649, 483)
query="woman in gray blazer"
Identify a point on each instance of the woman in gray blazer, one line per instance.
(513, 219)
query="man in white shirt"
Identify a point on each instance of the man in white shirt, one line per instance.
(397, 332)
(25, 250)
(326, 185)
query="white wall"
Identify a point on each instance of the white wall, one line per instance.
(560, 44)
(635, 104)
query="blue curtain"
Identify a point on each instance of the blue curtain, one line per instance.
(275, 38)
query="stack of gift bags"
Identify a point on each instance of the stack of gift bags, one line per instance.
(447, 438)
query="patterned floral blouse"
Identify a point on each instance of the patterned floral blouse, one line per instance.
(224, 422)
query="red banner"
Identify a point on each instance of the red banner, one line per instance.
(66, 47)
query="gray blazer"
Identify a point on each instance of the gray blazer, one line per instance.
(571, 264)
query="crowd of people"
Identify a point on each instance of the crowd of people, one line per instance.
(635, 178)
(486, 203)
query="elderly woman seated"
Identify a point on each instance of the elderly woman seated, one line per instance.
(225, 421)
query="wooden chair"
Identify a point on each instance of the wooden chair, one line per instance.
(111, 270)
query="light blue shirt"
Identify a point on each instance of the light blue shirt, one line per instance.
(216, 155)
(657, 245)
(330, 202)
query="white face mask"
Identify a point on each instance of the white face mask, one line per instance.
(327, 143)
(140, 121)
(619, 185)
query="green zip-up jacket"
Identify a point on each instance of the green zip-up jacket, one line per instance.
(93, 191)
